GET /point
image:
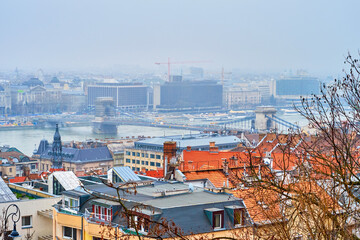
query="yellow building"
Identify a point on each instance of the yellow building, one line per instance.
(139, 159)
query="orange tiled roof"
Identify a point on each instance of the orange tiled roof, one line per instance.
(262, 205)
(205, 160)
(155, 173)
(17, 180)
(216, 177)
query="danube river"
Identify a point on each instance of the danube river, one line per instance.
(26, 140)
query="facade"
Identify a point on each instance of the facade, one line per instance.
(140, 159)
(126, 96)
(295, 87)
(189, 95)
(35, 99)
(76, 158)
(242, 99)
(5, 100)
(16, 164)
(35, 218)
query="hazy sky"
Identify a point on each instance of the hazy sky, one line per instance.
(267, 35)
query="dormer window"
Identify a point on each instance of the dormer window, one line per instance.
(216, 217)
(71, 204)
(218, 221)
(102, 213)
(236, 214)
(139, 221)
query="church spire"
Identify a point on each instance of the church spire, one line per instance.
(57, 150)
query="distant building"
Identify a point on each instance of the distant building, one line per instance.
(14, 163)
(126, 96)
(236, 99)
(75, 158)
(294, 87)
(30, 99)
(188, 95)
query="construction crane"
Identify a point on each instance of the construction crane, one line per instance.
(183, 62)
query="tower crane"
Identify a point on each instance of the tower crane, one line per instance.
(182, 62)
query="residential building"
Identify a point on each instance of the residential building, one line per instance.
(35, 213)
(14, 163)
(154, 201)
(148, 154)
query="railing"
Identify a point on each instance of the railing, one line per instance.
(96, 217)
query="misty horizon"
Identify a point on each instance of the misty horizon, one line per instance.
(248, 36)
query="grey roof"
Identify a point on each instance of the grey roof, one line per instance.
(125, 174)
(67, 179)
(145, 195)
(6, 195)
(80, 155)
(193, 141)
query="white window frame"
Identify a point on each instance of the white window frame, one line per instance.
(26, 226)
(220, 220)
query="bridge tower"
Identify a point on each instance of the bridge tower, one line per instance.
(262, 122)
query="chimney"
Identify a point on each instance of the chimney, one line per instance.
(225, 166)
(169, 153)
(213, 148)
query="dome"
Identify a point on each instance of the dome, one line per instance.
(32, 82)
(54, 80)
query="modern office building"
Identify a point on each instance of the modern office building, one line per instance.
(126, 96)
(294, 87)
(188, 95)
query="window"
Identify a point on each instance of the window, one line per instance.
(133, 161)
(26, 222)
(128, 160)
(239, 217)
(141, 223)
(128, 153)
(142, 154)
(158, 164)
(217, 220)
(146, 155)
(138, 169)
(137, 161)
(152, 155)
(69, 233)
(142, 162)
(102, 213)
(158, 157)
(152, 164)
(133, 153)
(147, 163)
(10, 169)
(138, 154)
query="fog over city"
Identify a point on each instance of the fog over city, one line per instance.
(252, 36)
(179, 119)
